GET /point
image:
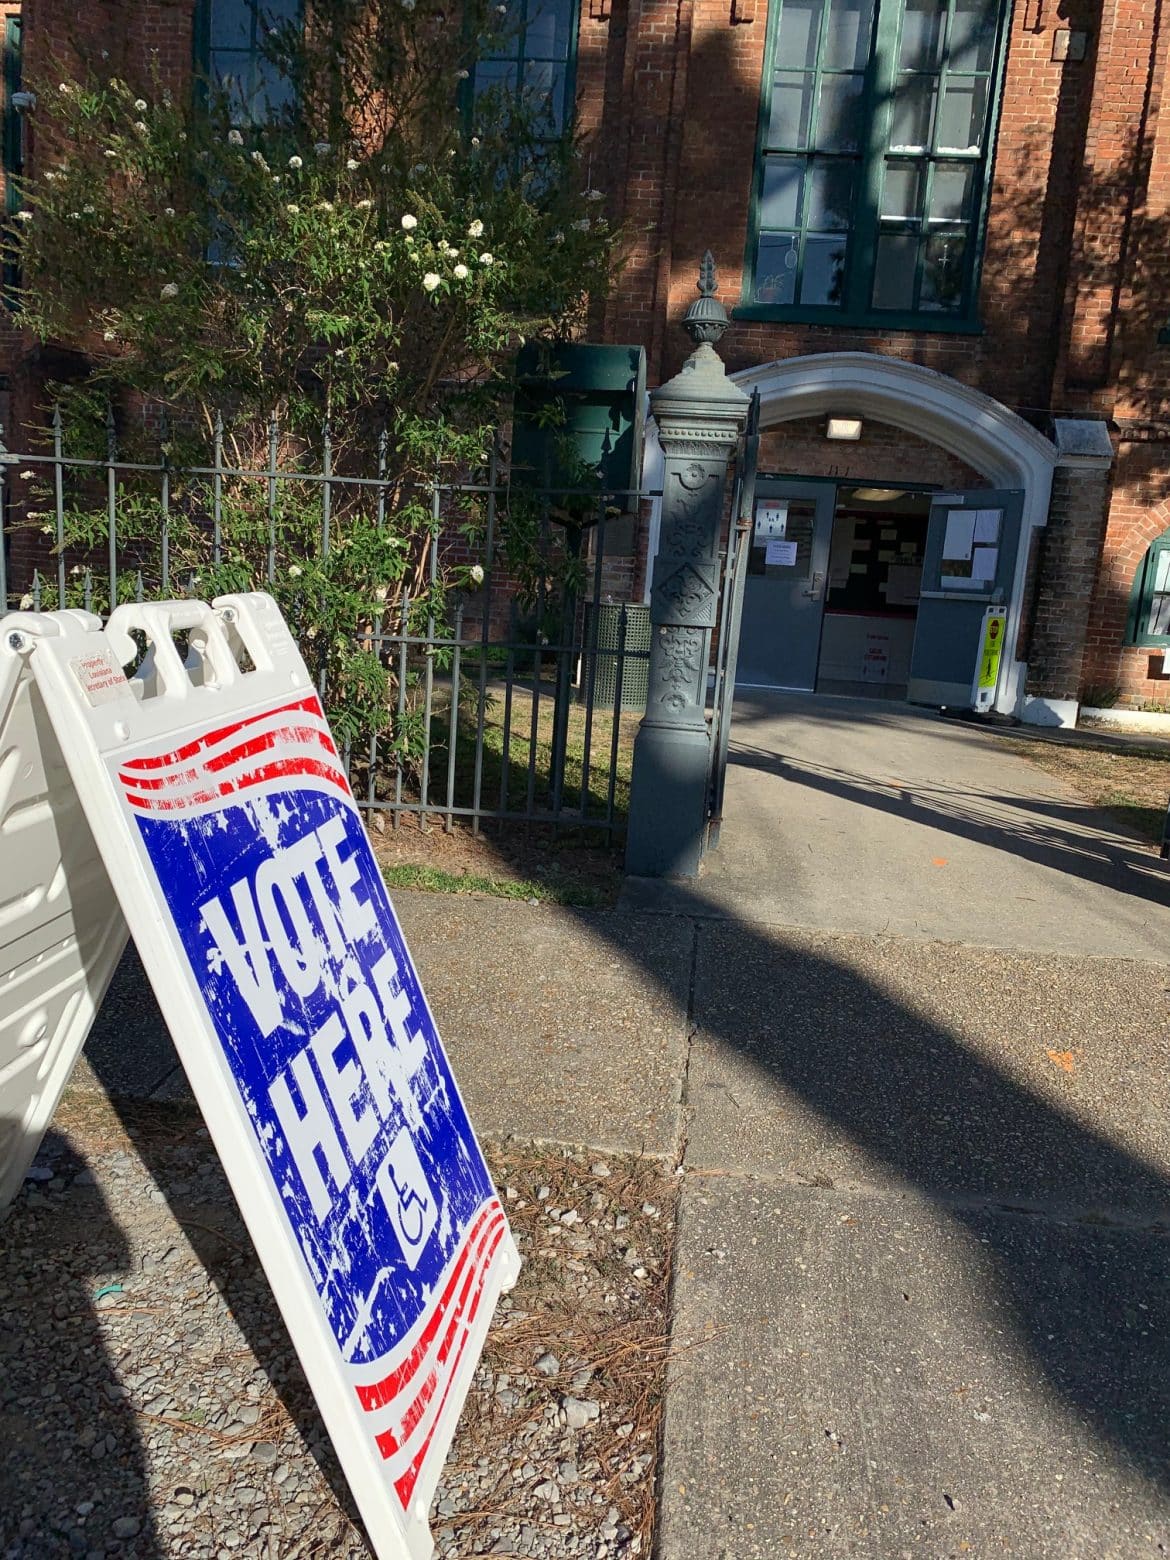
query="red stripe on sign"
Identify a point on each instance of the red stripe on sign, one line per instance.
(310, 705)
(389, 1441)
(405, 1484)
(378, 1393)
(308, 735)
(274, 771)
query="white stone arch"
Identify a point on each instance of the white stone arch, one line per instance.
(981, 432)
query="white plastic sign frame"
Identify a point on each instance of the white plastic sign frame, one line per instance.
(223, 814)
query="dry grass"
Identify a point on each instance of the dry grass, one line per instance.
(1131, 786)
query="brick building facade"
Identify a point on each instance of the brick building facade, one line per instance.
(944, 220)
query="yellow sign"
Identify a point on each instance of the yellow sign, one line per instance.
(991, 650)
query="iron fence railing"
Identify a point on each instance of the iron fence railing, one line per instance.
(508, 701)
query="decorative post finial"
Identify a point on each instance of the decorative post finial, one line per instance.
(706, 319)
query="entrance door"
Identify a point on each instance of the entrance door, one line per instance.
(784, 592)
(972, 541)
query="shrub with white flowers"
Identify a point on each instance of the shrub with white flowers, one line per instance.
(167, 250)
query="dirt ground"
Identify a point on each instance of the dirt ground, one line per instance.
(1131, 784)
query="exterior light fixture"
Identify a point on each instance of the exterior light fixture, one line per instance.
(843, 428)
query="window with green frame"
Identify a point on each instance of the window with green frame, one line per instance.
(876, 124)
(230, 53)
(1149, 603)
(536, 62)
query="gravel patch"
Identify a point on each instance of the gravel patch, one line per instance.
(151, 1403)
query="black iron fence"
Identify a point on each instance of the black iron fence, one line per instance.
(500, 673)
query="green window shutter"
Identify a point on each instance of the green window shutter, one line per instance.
(874, 145)
(577, 420)
(1149, 600)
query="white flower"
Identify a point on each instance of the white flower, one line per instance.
(75, 216)
(50, 176)
(476, 229)
(324, 205)
(415, 171)
(486, 258)
(557, 238)
(583, 226)
(475, 140)
(407, 5)
(321, 148)
(293, 211)
(431, 280)
(258, 159)
(64, 87)
(502, 9)
(109, 335)
(295, 571)
(26, 602)
(461, 271)
(409, 222)
(170, 290)
(27, 476)
(462, 75)
(24, 216)
(351, 165)
(295, 162)
(476, 573)
(140, 126)
(235, 138)
(364, 205)
(109, 152)
(169, 212)
(140, 105)
(450, 251)
(391, 368)
(594, 194)
(87, 211)
(407, 240)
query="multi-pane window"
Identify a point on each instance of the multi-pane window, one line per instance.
(1149, 614)
(874, 149)
(236, 55)
(534, 64)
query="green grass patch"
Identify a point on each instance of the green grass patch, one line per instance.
(435, 880)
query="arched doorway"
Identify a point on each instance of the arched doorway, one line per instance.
(991, 514)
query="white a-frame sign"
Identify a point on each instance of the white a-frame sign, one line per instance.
(205, 797)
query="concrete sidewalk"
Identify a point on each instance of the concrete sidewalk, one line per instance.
(921, 1291)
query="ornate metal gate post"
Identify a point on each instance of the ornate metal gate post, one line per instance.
(700, 415)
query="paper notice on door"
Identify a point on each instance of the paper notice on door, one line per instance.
(987, 526)
(959, 534)
(780, 555)
(983, 562)
(904, 581)
(771, 520)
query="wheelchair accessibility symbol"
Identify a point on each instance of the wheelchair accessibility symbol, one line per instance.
(410, 1202)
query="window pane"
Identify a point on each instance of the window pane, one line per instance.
(913, 111)
(1159, 619)
(544, 93)
(800, 28)
(495, 76)
(823, 277)
(231, 24)
(830, 197)
(893, 280)
(942, 273)
(964, 107)
(923, 23)
(272, 92)
(791, 109)
(972, 41)
(848, 38)
(902, 190)
(950, 194)
(776, 268)
(1162, 572)
(839, 119)
(780, 203)
(546, 35)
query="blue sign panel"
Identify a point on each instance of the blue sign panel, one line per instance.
(264, 863)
